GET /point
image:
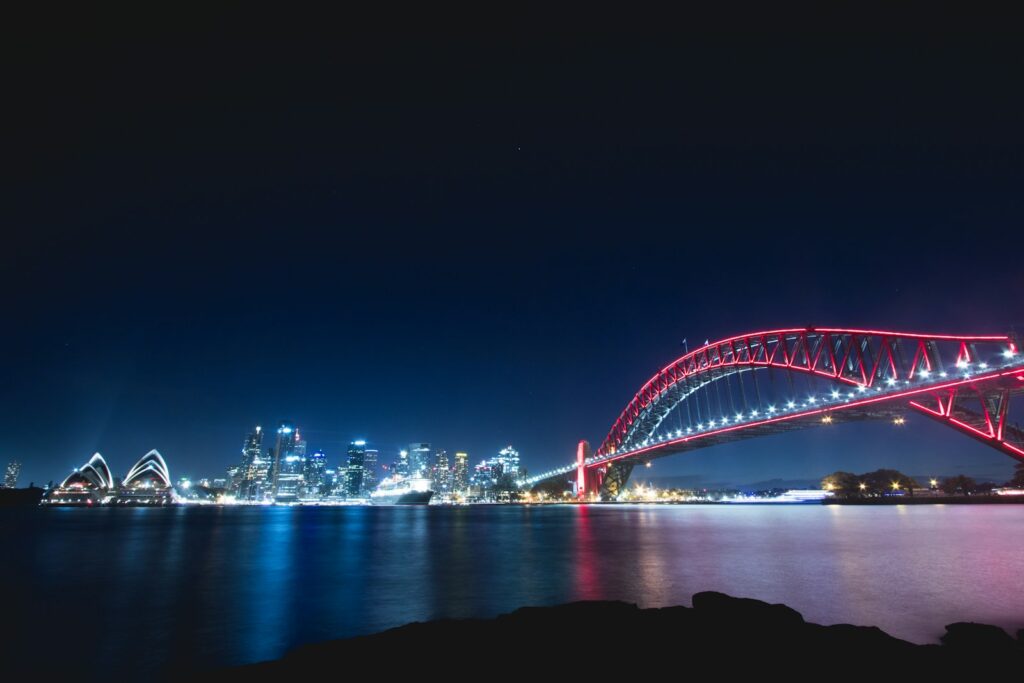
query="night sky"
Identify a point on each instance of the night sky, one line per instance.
(482, 238)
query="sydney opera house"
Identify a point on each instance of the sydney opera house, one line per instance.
(147, 483)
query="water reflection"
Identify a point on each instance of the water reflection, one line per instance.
(203, 587)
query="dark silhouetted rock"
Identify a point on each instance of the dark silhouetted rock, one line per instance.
(720, 635)
(979, 638)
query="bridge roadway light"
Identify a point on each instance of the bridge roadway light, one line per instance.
(862, 388)
(835, 393)
(790, 405)
(771, 409)
(1009, 353)
(925, 372)
(890, 381)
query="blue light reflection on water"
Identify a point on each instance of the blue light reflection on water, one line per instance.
(215, 586)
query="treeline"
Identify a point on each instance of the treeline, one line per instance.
(882, 482)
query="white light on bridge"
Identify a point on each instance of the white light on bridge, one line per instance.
(1008, 353)
(984, 366)
(811, 399)
(925, 372)
(790, 405)
(891, 381)
(835, 393)
(771, 409)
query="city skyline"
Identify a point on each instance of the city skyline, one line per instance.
(503, 259)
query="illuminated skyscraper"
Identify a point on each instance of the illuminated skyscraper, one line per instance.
(315, 475)
(369, 471)
(355, 469)
(288, 463)
(508, 461)
(402, 465)
(460, 473)
(249, 478)
(420, 460)
(441, 474)
(11, 475)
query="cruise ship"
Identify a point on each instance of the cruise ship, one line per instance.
(402, 491)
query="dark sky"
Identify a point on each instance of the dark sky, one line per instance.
(480, 238)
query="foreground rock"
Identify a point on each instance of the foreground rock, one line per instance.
(719, 635)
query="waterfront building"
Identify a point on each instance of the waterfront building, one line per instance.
(507, 462)
(441, 474)
(481, 483)
(402, 465)
(90, 484)
(354, 469)
(11, 474)
(369, 471)
(288, 463)
(420, 460)
(148, 482)
(315, 475)
(460, 473)
(250, 481)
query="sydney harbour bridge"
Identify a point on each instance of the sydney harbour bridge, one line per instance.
(780, 380)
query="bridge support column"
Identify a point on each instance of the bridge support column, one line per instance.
(582, 453)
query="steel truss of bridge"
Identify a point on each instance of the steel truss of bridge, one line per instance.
(780, 380)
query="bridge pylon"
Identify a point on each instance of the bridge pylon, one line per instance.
(584, 482)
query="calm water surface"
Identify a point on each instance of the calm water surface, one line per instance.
(216, 586)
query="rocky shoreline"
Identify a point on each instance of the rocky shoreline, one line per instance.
(719, 634)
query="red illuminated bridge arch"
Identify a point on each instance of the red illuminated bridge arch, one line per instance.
(778, 380)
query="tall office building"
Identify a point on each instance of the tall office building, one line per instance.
(420, 460)
(11, 474)
(370, 470)
(315, 475)
(441, 474)
(460, 473)
(249, 478)
(289, 463)
(354, 469)
(508, 461)
(402, 464)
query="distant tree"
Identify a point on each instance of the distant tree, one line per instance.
(959, 484)
(984, 487)
(881, 482)
(842, 483)
(1018, 476)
